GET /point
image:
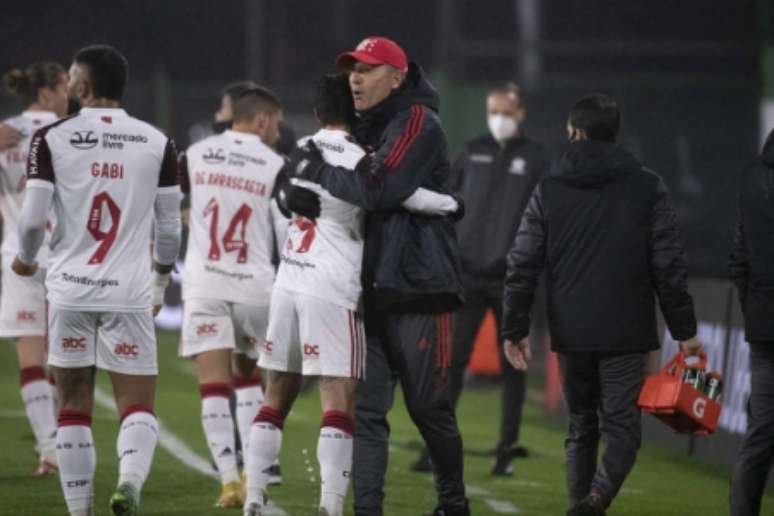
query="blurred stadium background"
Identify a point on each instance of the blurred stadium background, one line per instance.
(694, 79)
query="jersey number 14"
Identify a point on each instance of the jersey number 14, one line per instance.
(230, 242)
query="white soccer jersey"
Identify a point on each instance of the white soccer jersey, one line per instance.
(105, 168)
(230, 239)
(324, 258)
(13, 178)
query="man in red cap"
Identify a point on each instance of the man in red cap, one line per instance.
(411, 268)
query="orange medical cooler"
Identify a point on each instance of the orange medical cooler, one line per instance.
(678, 404)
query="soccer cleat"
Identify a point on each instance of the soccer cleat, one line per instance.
(323, 512)
(45, 468)
(125, 501)
(275, 474)
(232, 496)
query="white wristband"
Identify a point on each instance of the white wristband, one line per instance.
(159, 284)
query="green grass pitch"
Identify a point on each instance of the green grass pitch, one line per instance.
(662, 484)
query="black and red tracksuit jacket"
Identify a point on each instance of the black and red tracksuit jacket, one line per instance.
(411, 262)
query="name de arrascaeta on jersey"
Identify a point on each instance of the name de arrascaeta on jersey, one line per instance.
(219, 179)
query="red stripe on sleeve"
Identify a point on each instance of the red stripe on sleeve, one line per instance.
(407, 138)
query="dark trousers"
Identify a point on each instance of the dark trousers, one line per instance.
(756, 455)
(467, 321)
(601, 390)
(414, 349)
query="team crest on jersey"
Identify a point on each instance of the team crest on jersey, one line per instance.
(84, 140)
(214, 157)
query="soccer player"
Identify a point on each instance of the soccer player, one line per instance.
(224, 117)
(111, 178)
(315, 326)
(229, 273)
(42, 89)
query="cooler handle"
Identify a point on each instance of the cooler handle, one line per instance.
(677, 364)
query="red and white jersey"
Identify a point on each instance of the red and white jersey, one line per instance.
(13, 178)
(105, 168)
(324, 258)
(230, 239)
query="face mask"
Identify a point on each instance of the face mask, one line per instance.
(219, 127)
(502, 127)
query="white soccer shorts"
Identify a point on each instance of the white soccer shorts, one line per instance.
(122, 342)
(313, 337)
(22, 305)
(210, 324)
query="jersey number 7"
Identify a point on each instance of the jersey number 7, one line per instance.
(230, 243)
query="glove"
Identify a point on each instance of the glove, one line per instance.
(460, 213)
(303, 201)
(300, 200)
(306, 162)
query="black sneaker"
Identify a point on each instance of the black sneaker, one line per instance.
(592, 505)
(445, 510)
(423, 464)
(503, 465)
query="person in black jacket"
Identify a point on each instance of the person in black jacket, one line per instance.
(411, 269)
(494, 175)
(752, 270)
(604, 229)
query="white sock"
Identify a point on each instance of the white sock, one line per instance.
(135, 445)
(263, 451)
(77, 461)
(248, 401)
(36, 393)
(218, 428)
(334, 454)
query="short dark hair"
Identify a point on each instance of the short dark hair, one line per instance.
(333, 102)
(26, 83)
(108, 70)
(598, 116)
(507, 88)
(253, 101)
(235, 89)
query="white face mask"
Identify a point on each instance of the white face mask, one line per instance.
(502, 127)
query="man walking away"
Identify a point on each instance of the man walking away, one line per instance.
(604, 229)
(752, 269)
(110, 178)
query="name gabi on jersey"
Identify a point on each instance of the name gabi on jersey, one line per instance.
(107, 170)
(227, 181)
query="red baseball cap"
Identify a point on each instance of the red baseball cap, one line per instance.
(375, 50)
